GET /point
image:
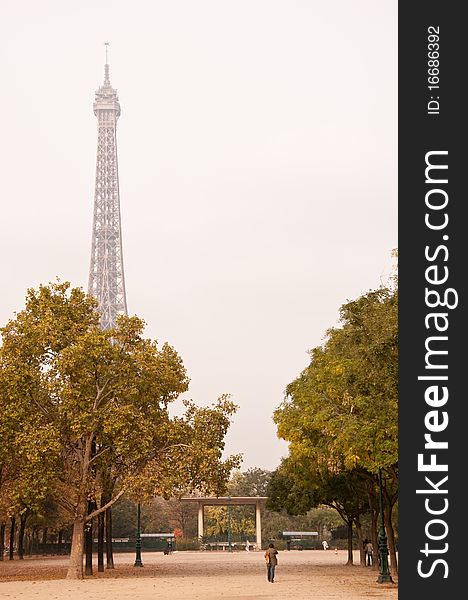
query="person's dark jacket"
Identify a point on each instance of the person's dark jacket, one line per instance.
(270, 554)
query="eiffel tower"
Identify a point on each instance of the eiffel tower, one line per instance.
(106, 272)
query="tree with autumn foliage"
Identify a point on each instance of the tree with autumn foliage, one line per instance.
(340, 416)
(92, 404)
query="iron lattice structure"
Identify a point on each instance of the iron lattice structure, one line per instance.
(106, 271)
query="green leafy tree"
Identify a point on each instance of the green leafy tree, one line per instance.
(347, 397)
(93, 404)
(240, 524)
(340, 414)
(253, 482)
(296, 487)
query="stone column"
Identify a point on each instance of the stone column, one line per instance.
(200, 520)
(258, 525)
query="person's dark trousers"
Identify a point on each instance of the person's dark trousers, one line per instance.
(271, 572)
(369, 560)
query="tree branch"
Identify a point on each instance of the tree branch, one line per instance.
(98, 454)
(100, 394)
(39, 406)
(98, 511)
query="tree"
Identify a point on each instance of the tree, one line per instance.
(253, 482)
(347, 396)
(340, 414)
(93, 404)
(26, 455)
(220, 519)
(297, 487)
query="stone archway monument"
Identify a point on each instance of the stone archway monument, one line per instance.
(256, 501)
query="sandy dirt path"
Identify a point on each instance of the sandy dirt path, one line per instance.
(318, 575)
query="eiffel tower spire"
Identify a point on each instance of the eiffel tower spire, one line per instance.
(106, 272)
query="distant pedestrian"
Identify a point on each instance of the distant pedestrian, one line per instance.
(325, 545)
(288, 544)
(271, 561)
(369, 550)
(247, 546)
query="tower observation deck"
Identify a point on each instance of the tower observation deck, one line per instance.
(106, 272)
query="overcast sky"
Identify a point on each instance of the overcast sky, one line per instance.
(257, 163)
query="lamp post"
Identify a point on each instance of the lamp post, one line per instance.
(384, 572)
(138, 562)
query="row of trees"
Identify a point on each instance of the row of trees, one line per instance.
(340, 419)
(85, 418)
(85, 421)
(50, 530)
(256, 482)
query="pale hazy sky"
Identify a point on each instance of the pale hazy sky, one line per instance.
(257, 158)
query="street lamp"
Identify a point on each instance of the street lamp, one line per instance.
(384, 572)
(138, 562)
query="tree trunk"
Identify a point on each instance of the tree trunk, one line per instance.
(109, 553)
(2, 540)
(374, 539)
(60, 542)
(100, 548)
(390, 499)
(75, 567)
(88, 540)
(391, 541)
(44, 535)
(23, 519)
(362, 553)
(108, 489)
(350, 542)
(34, 540)
(374, 515)
(12, 537)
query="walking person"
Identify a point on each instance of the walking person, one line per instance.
(271, 561)
(369, 549)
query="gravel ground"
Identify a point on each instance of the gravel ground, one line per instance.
(318, 575)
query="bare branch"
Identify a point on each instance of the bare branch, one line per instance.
(98, 511)
(98, 454)
(100, 394)
(39, 406)
(63, 501)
